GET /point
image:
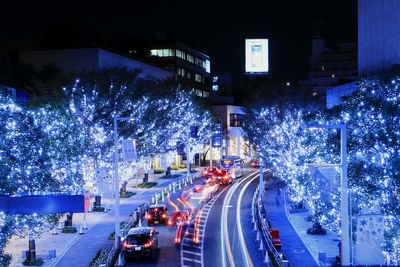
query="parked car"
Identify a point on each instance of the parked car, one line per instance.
(157, 213)
(255, 163)
(140, 242)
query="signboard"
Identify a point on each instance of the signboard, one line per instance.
(216, 138)
(129, 150)
(45, 203)
(257, 56)
(180, 148)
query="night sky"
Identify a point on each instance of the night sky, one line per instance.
(218, 28)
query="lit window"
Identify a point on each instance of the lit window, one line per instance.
(188, 75)
(323, 68)
(236, 120)
(190, 58)
(215, 88)
(333, 75)
(206, 94)
(162, 52)
(207, 67)
(198, 78)
(180, 54)
(315, 94)
(199, 92)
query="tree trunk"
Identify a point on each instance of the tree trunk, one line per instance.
(32, 250)
(123, 188)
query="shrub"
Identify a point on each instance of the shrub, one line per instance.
(182, 166)
(69, 230)
(147, 185)
(158, 171)
(100, 258)
(127, 194)
(37, 262)
(174, 167)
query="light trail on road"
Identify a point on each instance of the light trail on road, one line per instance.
(225, 243)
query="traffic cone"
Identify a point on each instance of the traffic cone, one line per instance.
(156, 199)
(258, 236)
(140, 222)
(266, 260)
(162, 197)
(59, 227)
(90, 207)
(81, 231)
(170, 187)
(173, 188)
(179, 185)
(85, 226)
(185, 182)
(191, 179)
(54, 231)
(106, 209)
(261, 245)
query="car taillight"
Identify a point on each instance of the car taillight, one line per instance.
(156, 209)
(226, 177)
(149, 216)
(178, 218)
(164, 215)
(149, 243)
(170, 222)
(177, 240)
(127, 245)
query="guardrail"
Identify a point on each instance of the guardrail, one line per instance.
(260, 225)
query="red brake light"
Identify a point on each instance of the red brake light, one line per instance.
(149, 216)
(127, 245)
(156, 209)
(164, 215)
(149, 243)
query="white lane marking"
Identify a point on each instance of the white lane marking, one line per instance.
(245, 252)
(224, 224)
(192, 260)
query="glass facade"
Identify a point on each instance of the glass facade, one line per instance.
(236, 120)
(163, 52)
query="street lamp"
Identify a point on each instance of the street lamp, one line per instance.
(345, 243)
(116, 180)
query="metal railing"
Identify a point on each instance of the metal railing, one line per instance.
(260, 221)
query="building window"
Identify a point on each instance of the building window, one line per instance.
(207, 66)
(199, 92)
(206, 94)
(163, 52)
(180, 54)
(333, 75)
(190, 58)
(189, 75)
(215, 87)
(323, 68)
(198, 78)
(181, 72)
(315, 94)
(236, 120)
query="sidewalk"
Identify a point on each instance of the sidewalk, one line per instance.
(292, 246)
(315, 243)
(79, 250)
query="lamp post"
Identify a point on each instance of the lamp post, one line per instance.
(345, 243)
(116, 180)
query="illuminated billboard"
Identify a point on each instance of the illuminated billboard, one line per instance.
(257, 56)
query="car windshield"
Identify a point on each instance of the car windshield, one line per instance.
(137, 239)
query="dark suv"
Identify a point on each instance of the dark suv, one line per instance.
(140, 242)
(157, 214)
